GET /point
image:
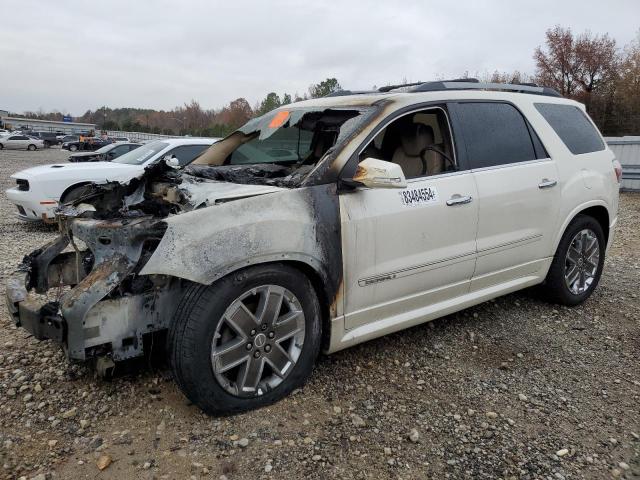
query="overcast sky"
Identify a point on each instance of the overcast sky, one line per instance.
(159, 54)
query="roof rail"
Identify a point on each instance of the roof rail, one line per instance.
(473, 84)
(388, 88)
(342, 93)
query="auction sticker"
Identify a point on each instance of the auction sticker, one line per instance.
(418, 196)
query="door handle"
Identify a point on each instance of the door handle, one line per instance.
(546, 183)
(458, 200)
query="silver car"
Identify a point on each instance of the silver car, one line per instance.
(20, 142)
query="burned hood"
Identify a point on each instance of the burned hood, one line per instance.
(206, 193)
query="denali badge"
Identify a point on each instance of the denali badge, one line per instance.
(418, 196)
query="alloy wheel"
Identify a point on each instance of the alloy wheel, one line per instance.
(582, 261)
(258, 341)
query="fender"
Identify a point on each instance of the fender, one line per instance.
(300, 225)
(572, 214)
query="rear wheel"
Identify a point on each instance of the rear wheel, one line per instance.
(31, 147)
(578, 262)
(247, 340)
(73, 148)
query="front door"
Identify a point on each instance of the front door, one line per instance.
(404, 249)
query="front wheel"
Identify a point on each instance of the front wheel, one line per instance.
(73, 148)
(31, 148)
(247, 340)
(577, 264)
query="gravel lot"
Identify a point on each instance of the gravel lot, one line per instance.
(513, 388)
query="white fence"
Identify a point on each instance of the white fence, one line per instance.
(137, 136)
(627, 151)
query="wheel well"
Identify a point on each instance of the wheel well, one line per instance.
(323, 300)
(75, 185)
(601, 215)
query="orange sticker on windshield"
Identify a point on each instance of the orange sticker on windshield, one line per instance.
(279, 119)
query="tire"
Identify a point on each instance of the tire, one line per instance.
(199, 339)
(74, 193)
(73, 148)
(1, 146)
(31, 147)
(559, 289)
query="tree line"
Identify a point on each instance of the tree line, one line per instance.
(587, 67)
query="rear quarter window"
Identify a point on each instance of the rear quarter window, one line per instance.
(572, 126)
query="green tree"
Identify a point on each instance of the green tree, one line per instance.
(286, 99)
(271, 102)
(324, 88)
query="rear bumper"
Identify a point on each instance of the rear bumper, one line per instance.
(31, 209)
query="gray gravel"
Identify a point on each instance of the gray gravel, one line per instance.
(514, 388)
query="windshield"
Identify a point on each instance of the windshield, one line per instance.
(141, 154)
(292, 139)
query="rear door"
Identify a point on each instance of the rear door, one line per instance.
(518, 193)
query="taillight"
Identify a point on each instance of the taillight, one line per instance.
(618, 169)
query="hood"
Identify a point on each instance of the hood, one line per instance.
(200, 194)
(93, 172)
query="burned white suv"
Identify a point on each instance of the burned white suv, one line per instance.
(324, 224)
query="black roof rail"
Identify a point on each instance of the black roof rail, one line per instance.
(388, 88)
(342, 93)
(474, 84)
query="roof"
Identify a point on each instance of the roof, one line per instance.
(410, 98)
(188, 141)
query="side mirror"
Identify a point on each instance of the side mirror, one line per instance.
(172, 161)
(375, 173)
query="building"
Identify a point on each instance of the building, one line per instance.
(18, 123)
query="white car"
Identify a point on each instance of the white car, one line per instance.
(39, 190)
(4, 132)
(20, 142)
(326, 223)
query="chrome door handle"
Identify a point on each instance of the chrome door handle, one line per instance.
(546, 183)
(458, 200)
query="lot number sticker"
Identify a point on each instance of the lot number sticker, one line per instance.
(418, 196)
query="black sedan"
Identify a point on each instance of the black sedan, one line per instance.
(104, 154)
(88, 144)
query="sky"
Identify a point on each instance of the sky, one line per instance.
(159, 54)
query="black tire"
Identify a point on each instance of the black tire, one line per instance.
(75, 192)
(1, 146)
(555, 288)
(31, 147)
(73, 148)
(197, 318)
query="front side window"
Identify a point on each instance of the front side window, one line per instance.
(495, 134)
(187, 153)
(420, 142)
(572, 126)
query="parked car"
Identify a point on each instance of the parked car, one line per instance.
(20, 142)
(86, 144)
(4, 132)
(39, 190)
(390, 208)
(105, 154)
(49, 138)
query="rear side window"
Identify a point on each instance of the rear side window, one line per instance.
(572, 126)
(187, 153)
(495, 134)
